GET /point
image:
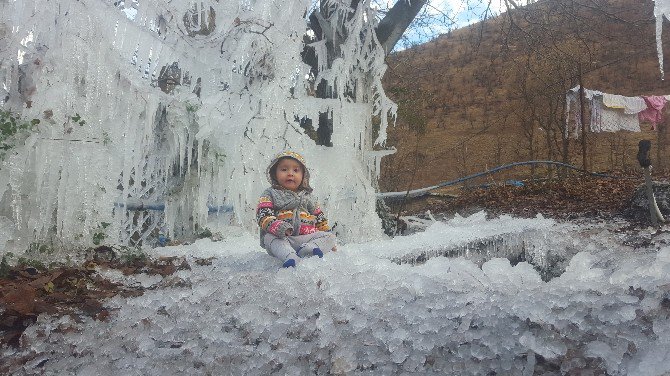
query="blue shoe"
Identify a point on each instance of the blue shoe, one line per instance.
(290, 263)
(317, 252)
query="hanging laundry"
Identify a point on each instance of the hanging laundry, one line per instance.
(630, 105)
(612, 112)
(573, 103)
(596, 114)
(605, 119)
(654, 112)
(572, 110)
(613, 100)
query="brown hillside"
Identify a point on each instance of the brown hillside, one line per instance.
(494, 92)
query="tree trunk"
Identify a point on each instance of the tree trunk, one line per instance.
(396, 21)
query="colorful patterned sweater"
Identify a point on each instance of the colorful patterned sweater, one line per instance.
(281, 209)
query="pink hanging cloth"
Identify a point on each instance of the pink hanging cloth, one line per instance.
(654, 112)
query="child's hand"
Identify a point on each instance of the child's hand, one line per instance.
(289, 232)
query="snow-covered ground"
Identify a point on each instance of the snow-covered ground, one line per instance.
(371, 308)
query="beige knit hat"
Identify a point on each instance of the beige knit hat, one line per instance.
(288, 154)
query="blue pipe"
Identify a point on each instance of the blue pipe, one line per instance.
(161, 207)
(424, 191)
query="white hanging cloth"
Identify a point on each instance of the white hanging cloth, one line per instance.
(630, 105)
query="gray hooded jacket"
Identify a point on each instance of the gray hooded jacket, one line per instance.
(281, 209)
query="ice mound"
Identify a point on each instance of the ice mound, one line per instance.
(355, 311)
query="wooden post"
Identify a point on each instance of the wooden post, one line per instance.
(645, 162)
(660, 145)
(650, 196)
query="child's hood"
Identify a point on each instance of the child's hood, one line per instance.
(290, 154)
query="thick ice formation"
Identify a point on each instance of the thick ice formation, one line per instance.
(357, 312)
(182, 102)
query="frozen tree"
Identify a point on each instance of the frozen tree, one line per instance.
(148, 105)
(144, 103)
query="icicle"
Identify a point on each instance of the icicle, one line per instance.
(321, 52)
(661, 10)
(659, 44)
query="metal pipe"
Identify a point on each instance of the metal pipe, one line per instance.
(424, 191)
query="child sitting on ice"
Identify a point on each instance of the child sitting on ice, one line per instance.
(291, 221)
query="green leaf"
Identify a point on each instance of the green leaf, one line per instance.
(49, 287)
(98, 237)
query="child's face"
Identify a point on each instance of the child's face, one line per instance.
(289, 174)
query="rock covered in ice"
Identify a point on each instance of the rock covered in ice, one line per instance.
(638, 208)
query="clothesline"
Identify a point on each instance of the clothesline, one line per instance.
(613, 112)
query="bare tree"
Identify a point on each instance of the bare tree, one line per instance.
(536, 53)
